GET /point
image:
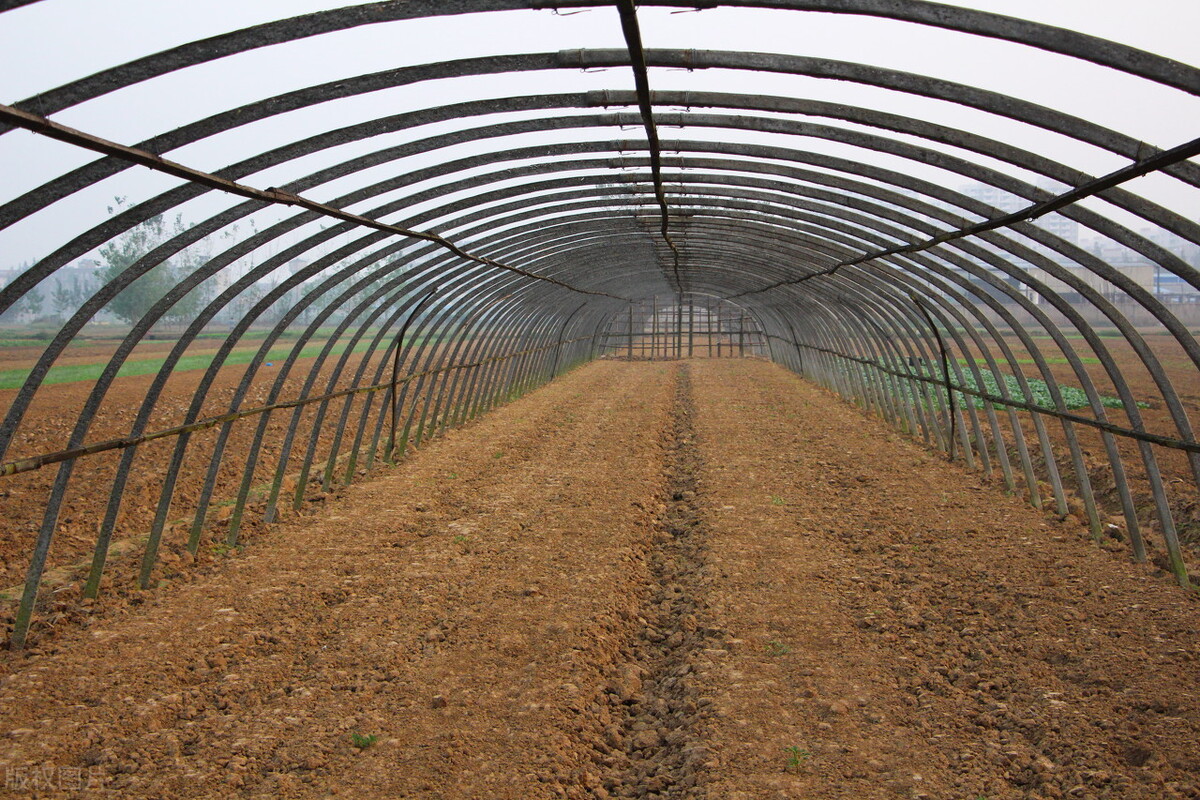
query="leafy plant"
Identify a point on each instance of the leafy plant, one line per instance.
(776, 500)
(796, 756)
(363, 742)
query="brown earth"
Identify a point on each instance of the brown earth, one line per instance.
(1178, 478)
(915, 633)
(48, 424)
(701, 580)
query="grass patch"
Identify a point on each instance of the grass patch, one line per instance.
(14, 378)
(1103, 333)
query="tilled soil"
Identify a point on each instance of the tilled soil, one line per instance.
(1179, 483)
(47, 427)
(657, 746)
(696, 580)
(901, 629)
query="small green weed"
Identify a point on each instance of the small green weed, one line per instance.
(775, 648)
(796, 756)
(461, 539)
(363, 742)
(776, 500)
(498, 454)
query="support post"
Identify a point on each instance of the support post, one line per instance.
(397, 348)
(630, 348)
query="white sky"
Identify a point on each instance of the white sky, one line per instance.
(55, 41)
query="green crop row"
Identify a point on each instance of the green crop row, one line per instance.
(1073, 398)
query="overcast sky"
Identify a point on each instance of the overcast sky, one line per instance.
(55, 41)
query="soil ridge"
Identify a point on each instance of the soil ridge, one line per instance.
(658, 733)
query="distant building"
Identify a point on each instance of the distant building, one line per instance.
(1147, 274)
(1009, 203)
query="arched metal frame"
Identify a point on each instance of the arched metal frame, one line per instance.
(882, 286)
(684, 326)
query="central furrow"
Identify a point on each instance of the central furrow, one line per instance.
(658, 712)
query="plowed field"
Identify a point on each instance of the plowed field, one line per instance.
(704, 579)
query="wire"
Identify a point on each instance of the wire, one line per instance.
(45, 127)
(1136, 170)
(641, 79)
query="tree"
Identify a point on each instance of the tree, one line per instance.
(246, 300)
(33, 302)
(81, 291)
(132, 303)
(62, 298)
